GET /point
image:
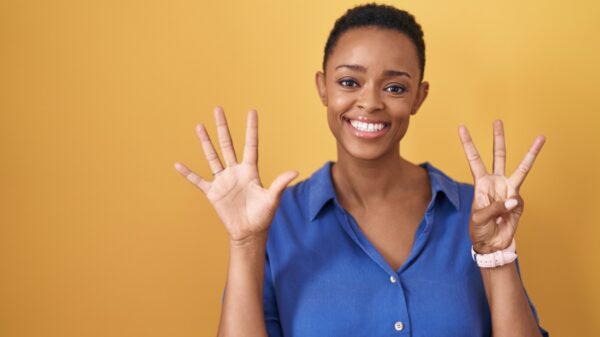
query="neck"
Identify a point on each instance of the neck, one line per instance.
(363, 182)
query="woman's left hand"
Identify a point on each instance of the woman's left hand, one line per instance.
(493, 225)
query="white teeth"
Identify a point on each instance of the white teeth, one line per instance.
(367, 127)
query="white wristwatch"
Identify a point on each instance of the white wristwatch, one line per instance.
(495, 259)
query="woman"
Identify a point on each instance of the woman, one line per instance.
(372, 244)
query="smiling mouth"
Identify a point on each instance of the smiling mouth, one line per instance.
(363, 126)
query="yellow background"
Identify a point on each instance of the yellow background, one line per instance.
(99, 235)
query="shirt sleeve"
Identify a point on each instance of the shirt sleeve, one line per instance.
(542, 330)
(270, 304)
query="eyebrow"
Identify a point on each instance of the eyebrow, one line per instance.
(387, 73)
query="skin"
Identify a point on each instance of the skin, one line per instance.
(363, 90)
(374, 74)
(369, 176)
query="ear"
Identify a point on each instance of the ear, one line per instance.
(321, 87)
(421, 95)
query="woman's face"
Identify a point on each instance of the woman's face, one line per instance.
(371, 87)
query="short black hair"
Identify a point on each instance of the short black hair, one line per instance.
(380, 16)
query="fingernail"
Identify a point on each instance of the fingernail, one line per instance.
(510, 203)
(499, 220)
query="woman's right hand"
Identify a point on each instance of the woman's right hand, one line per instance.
(245, 207)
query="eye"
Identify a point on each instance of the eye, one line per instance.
(348, 83)
(396, 89)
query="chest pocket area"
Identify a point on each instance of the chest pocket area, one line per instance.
(454, 306)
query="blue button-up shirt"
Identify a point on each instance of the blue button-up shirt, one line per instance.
(323, 277)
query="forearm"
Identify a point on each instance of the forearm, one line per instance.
(242, 312)
(509, 307)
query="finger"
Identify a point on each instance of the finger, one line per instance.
(209, 151)
(517, 178)
(499, 165)
(475, 163)
(251, 146)
(224, 135)
(192, 177)
(279, 184)
(495, 210)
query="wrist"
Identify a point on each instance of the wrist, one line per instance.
(481, 248)
(494, 259)
(485, 247)
(249, 241)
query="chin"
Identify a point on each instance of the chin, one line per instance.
(362, 152)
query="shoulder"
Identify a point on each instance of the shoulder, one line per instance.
(295, 195)
(293, 215)
(309, 193)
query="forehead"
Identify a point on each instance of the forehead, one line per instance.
(375, 48)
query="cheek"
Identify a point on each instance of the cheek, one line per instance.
(402, 107)
(333, 119)
(338, 100)
(337, 105)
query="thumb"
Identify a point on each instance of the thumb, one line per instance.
(279, 184)
(496, 209)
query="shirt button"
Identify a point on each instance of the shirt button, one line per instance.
(393, 279)
(399, 326)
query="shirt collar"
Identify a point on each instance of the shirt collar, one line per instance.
(321, 188)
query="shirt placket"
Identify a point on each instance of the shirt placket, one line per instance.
(400, 324)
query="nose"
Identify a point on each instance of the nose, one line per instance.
(369, 99)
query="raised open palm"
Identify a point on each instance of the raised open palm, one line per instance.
(245, 207)
(493, 224)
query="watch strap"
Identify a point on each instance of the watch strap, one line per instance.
(495, 259)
